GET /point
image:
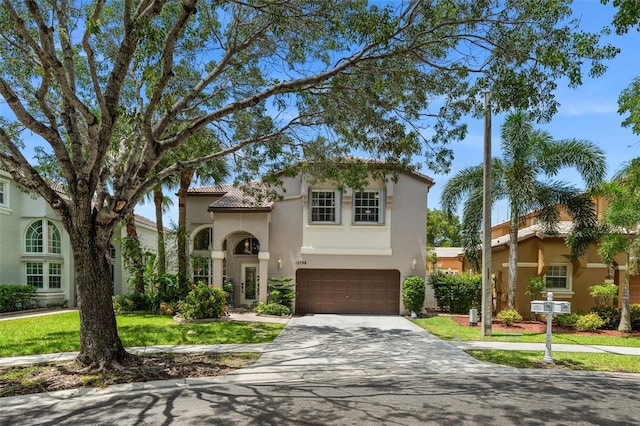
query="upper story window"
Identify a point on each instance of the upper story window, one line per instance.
(325, 206)
(35, 240)
(4, 196)
(368, 207)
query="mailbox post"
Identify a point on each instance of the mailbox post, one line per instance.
(549, 307)
(549, 310)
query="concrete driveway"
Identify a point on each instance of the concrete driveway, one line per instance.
(317, 346)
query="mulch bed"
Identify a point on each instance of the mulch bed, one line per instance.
(48, 377)
(540, 327)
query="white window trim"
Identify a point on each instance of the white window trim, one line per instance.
(6, 202)
(45, 239)
(45, 273)
(563, 290)
(337, 207)
(381, 207)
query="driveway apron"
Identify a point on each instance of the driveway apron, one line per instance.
(319, 346)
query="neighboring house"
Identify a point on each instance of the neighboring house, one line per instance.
(347, 251)
(449, 260)
(549, 257)
(35, 249)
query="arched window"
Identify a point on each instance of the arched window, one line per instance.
(203, 239)
(55, 242)
(34, 241)
(248, 246)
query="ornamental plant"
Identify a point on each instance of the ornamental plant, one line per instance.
(509, 316)
(589, 322)
(413, 292)
(204, 302)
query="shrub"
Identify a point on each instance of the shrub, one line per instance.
(456, 294)
(635, 316)
(123, 303)
(509, 316)
(16, 297)
(535, 287)
(566, 320)
(610, 316)
(589, 322)
(604, 295)
(282, 291)
(413, 291)
(271, 308)
(203, 302)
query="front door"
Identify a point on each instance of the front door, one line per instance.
(249, 283)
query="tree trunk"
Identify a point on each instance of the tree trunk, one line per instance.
(185, 181)
(100, 344)
(158, 198)
(513, 259)
(135, 255)
(625, 314)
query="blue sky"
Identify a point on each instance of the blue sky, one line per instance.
(587, 112)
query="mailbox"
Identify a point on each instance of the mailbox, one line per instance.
(537, 306)
(543, 307)
(561, 307)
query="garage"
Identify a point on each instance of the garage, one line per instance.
(347, 291)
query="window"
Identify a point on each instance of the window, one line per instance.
(3, 193)
(55, 275)
(34, 238)
(203, 239)
(367, 206)
(35, 274)
(41, 238)
(324, 206)
(201, 269)
(557, 276)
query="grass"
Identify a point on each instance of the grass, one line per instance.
(447, 329)
(566, 360)
(60, 333)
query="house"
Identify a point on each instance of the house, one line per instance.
(35, 249)
(347, 250)
(548, 256)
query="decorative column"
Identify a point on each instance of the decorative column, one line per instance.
(263, 258)
(217, 258)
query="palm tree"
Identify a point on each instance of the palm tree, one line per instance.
(523, 176)
(620, 226)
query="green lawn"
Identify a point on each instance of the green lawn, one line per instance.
(447, 329)
(60, 333)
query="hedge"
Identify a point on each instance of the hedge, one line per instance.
(16, 297)
(456, 294)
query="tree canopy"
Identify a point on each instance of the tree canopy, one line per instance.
(443, 230)
(106, 89)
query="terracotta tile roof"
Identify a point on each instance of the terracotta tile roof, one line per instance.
(448, 251)
(563, 228)
(233, 198)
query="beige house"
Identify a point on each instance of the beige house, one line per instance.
(347, 250)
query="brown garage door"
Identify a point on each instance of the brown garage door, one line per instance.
(347, 291)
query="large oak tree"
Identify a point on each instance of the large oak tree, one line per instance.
(106, 89)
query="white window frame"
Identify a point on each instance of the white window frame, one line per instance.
(380, 196)
(4, 193)
(337, 200)
(47, 256)
(568, 277)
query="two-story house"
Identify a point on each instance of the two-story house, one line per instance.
(35, 249)
(347, 250)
